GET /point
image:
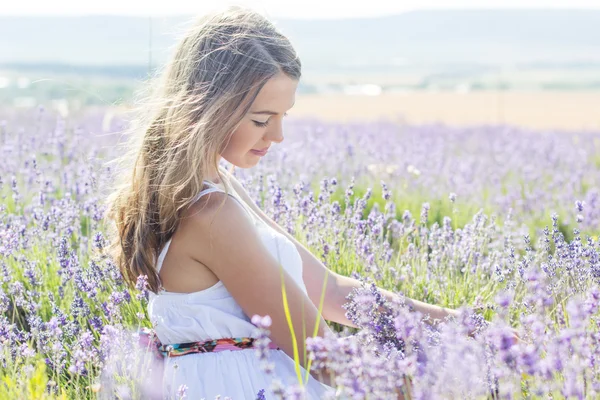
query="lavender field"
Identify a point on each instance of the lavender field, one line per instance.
(500, 222)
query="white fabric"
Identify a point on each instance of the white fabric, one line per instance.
(212, 314)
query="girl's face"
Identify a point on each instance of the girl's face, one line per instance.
(262, 125)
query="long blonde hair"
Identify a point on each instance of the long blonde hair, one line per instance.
(195, 104)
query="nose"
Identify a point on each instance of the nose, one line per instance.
(275, 134)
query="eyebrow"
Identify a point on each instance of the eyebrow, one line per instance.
(264, 112)
(267, 111)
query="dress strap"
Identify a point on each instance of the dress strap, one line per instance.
(162, 255)
(211, 189)
(214, 188)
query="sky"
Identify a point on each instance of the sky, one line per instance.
(276, 8)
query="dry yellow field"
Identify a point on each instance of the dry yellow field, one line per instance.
(538, 110)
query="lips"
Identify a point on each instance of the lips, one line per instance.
(260, 152)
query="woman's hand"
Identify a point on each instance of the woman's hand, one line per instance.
(515, 334)
(516, 339)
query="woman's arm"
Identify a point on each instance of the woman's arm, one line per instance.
(249, 272)
(338, 286)
(436, 313)
(313, 271)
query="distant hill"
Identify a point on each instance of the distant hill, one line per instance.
(394, 43)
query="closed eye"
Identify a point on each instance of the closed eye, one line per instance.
(261, 124)
(264, 124)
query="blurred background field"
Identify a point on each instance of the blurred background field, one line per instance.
(573, 110)
(532, 67)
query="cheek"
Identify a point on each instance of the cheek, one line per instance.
(242, 140)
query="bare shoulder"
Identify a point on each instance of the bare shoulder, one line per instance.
(222, 236)
(213, 214)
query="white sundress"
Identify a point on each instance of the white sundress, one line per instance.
(212, 314)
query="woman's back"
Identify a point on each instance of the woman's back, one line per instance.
(213, 313)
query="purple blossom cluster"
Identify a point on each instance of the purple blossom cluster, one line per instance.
(498, 222)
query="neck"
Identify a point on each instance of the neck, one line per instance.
(213, 177)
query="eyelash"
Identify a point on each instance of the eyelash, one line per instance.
(261, 124)
(264, 124)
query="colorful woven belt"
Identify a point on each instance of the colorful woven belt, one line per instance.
(148, 339)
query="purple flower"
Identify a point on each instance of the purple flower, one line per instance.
(261, 395)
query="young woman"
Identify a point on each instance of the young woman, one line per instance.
(212, 258)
